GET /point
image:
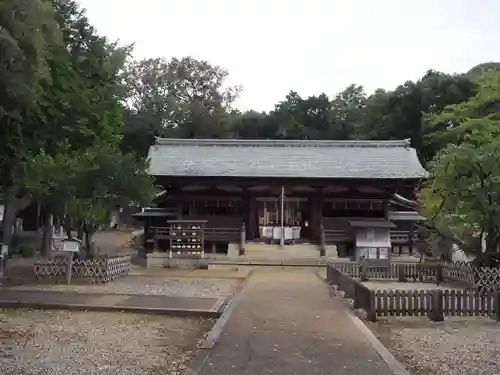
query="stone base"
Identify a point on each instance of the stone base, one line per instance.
(163, 260)
(233, 250)
(331, 251)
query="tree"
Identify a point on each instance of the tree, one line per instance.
(28, 29)
(480, 69)
(349, 112)
(83, 188)
(463, 192)
(106, 178)
(78, 105)
(180, 97)
(399, 114)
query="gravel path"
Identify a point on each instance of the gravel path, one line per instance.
(151, 286)
(457, 346)
(84, 343)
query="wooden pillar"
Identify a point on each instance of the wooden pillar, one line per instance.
(251, 228)
(316, 203)
(245, 212)
(179, 210)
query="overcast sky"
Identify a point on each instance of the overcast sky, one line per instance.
(311, 46)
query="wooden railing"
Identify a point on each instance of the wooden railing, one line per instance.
(222, 234)
(336, 236)
(343, 235)
(160, 233)
(400, 237)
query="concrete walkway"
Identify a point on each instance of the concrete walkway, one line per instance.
(286, 323)
(165, 305)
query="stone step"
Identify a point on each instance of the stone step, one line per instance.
(280, 252)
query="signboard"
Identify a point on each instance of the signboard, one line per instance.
(383, 253)
(71, 246)
(372, 253)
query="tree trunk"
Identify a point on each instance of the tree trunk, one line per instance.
(68, 227)
(491, 240)
(79, 234)
(9, 220)
(88, 242)
(12, 207)
(47, 234)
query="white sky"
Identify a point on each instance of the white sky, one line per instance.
(311, 46)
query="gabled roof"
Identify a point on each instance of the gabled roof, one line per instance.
(400, 201)
(285, 159)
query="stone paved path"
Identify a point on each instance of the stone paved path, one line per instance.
(82, 301)
(286, 323)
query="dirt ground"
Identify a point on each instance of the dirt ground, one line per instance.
(88, 343)
(457, 346)
(113, 242)
(147, 286)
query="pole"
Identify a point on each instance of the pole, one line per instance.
(282, 237)
(3, 253)
(69, 267)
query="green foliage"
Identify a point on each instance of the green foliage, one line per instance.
(27, 27)
(463, 192)
(179, 97)
(76, 122)
(26, 250)
(88, 185)
(165, 102)
(65, 151)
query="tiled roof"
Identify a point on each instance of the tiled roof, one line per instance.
(284, 158)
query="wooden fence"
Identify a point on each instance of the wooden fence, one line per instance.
(395, 271)
(101, 270)
(444, 302)
(458, 274)
(436, 304)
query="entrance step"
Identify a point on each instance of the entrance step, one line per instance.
(267, 251)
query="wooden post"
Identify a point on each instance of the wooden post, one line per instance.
(439, 274)
(322, 245)
(214, 248)
(69, 268)
(243, 240)
(371, 313)
(363, 275)
(401, 273)
(436, 308)
(497, 306)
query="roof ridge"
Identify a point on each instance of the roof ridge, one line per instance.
(280, 142)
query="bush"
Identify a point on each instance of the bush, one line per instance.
(26, 250)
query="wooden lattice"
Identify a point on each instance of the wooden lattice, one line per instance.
(487, 279)
(101, 270)
(460, 274)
